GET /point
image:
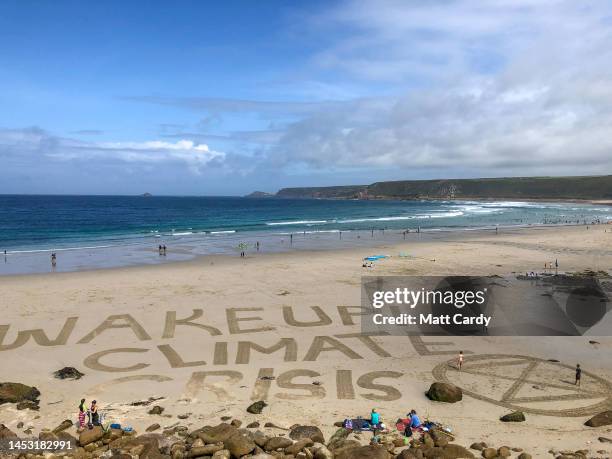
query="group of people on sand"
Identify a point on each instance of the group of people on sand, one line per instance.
(92, 415)
(375, 424)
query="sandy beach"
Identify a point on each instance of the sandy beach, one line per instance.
(203, 333)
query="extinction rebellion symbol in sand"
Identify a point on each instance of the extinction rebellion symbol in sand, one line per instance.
(528, 384)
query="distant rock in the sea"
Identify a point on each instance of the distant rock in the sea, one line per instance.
(146, 195)
(260, 194)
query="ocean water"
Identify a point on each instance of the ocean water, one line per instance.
(123, 230)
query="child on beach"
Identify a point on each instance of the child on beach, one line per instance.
(460, 360)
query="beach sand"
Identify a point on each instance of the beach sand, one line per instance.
(123, 329)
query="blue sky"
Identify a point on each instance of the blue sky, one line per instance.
(228, 97)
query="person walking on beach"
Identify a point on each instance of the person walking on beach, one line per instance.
(159, 249)
(164, 249)
(82, 414)
(291, 239)
(53, 259)
(460, 360)
(257, 246)
(578, 375)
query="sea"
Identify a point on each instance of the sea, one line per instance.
(87, 232)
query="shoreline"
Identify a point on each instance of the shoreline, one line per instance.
(178, 255)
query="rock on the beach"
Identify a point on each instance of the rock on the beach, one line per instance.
(516, 416)
(253, 425)
(144, 446)
(90, 435)
(601, 419)
(216, 434)
(605, 440)
(239, 445)
(6, 433)
(222, 454)
(453, 451)
(257, 407)
(68, 373)
(524, 456)
(66, 424)
(18, 393)
(206, 450)
(364, 452)
(504, 451)
(489, 453)
(339, 435)
(275, 443)
(312, 432)
(298, 446)
(323, 453)
(444, 392)
(153, 427)
(156, 410)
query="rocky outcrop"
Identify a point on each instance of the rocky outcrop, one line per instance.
(6, 433)
(601, 419)
(517, 416)
(311, 432)
(24, 396)
(257, 407)
(239, 445)
(68, 373)
(90, 435)
(444, 392)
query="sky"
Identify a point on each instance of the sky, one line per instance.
(224, 98)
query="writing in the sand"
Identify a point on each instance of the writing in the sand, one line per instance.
(238, 321)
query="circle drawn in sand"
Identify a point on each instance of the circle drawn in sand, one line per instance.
(519, 382)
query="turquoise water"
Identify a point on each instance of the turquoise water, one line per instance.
(105, 231)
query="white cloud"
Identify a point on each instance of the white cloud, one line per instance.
(36, 144)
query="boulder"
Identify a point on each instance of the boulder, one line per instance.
(453, 451)
(605, 440)
(90, 435)
(253, 425)
(206, 450)
(217, 434)
(504, 451)
(311, 432)
(524, 456)
(257, 407)
(222, 454)
(444, 392)
(147, 445)
(6, 433)
(298, 446)
(489, 453)
(364, 452)
(68, 373)
(156, 410)
(275, 443)
(28, 405)
(339, 435)
(601, 419)
(17, 392)
(153, 427)
(516, 416)
(409, 454)
(323, 453)
(236, 423)
(66, 424)
(478, 446)
(239, 445)
(260, 438)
